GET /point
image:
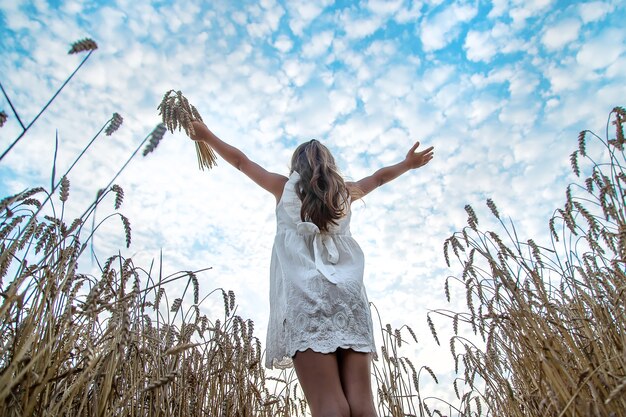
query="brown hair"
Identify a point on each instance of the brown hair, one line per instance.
(321, 188)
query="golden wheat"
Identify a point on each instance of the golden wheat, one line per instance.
(177, 112)
(549, 323)
(551, 320)
(86, 44)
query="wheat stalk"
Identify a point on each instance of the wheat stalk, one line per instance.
(177, 112)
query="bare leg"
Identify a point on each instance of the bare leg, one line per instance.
(356, 379)
(318, 374)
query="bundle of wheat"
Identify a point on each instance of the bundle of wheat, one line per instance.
(177, 112)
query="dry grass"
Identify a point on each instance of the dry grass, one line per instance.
(118, 344)
(397, 379)
(550, 321)
(74, 344)
(115, 343)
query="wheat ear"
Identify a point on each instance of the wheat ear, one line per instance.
(177, 112)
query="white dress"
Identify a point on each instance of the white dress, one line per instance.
(317, 296)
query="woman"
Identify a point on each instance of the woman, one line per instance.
(319, 313)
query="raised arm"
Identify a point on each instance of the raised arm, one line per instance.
(412, 160)
(269, 181)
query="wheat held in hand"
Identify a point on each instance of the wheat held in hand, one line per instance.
(177, 112)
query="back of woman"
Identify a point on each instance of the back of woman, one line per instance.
(320, 319)
(317, 297)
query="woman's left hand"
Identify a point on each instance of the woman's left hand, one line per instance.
(416, 159)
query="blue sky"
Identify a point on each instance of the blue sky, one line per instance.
(501, 89)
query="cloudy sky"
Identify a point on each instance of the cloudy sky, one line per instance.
(500, 88)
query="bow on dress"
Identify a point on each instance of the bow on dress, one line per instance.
(322, 241)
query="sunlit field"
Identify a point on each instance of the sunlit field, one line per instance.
(543, 330)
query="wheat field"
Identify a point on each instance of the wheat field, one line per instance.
(551, 320)
(542, 332)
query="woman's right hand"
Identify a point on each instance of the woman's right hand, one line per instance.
(200, 131)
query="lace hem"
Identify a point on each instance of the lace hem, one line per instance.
(287, 361)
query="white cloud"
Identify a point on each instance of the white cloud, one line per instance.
(418, 116)
(561, 33)
(302, 12)
(439, 30)
(298, 72)
(381, 49)
(498, 8)
(148, 17)
(483, 107)
(484, 45)
(318, 44)
(342, 102)
(357, 63)
(612, 95)
(262, 82)
(594, 10)
(578, 111)
(448, 98)
(522, 83)
(436, 76)
(239, 17)
(385, 7)
(479, 46)
(525, 9)
(568, 76)
(311, 114)
(410, 13)
(228, 29)
(520, 114)
(111, 27)
(603, 50)
(283, 43)
(72, 7)
(552, 103)
(356, 135)
(495, 76)
(266, 20)
(396, 82)
(617, 68)
(357, 27)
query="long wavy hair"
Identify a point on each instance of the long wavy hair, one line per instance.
(321, 188)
